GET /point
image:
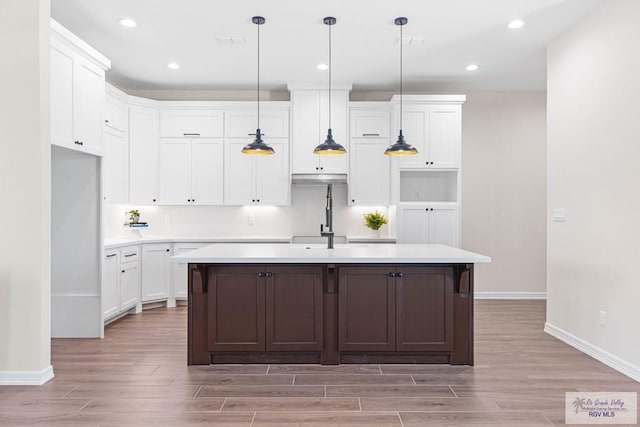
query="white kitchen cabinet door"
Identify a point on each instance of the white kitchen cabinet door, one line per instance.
(129, 285)
(207, 175)
(369, 172)
(272, 175)
(443, 226)
(242, 123)
(257, 180)
(110, 285)
(339, 118)
(88, 105)
(61, 95)
(180, 279)
(428, 224)
(369, 123)
(413, 225)
(189, 123)
(444, 136)
(310, 122)
(415, 128)
(116, 114)
(156, 272)
(77, 101)
(305, 131)
(116, 167)
(175, 168)
(240, 174)
(144, 156)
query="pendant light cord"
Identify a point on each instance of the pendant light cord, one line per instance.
(401, 77)
(258, 76)
(330, 75)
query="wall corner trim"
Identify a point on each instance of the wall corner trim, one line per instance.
(26, 377)
(597, 353)
(510, 295)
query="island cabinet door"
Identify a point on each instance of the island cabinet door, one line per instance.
(366, 309)
(236, 309)
(294, 308)
(424, 307)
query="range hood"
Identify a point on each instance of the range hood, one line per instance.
(319, 178)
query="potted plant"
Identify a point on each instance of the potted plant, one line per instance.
(134, 216)
(375, 220)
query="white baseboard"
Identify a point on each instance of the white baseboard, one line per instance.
(26, 377)
(510, 295)
(597, 353)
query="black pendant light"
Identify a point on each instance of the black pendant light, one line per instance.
(258, 146)
(401, 148)
(329, 146)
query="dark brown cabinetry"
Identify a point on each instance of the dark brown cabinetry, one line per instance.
(395, 308)
(265, 308)
(330, 314)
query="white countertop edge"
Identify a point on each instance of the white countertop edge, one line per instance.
(125, 241)
(342, 254)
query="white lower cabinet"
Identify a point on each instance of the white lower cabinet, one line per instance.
(428, 224)
(180, 278)
(129, 285)
(120, 281)
(110, 284)
(155, 272)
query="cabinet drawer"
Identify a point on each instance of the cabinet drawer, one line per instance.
(273, 124)
(129, 255)
(176, 123)
(370, 124)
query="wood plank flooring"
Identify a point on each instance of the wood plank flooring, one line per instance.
(137, 375)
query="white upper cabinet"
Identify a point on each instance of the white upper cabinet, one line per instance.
(369, 168)
(369, 123)
(77, 92)
(115, 161)
(256, 180)
(192, 171)
(432, 126)
(116, 114)
(190, 123)
(242, 123)
(310, 121)
(144, 156)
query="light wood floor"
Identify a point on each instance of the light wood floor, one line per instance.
(137, 375)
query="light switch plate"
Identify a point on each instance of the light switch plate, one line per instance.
(558, 215)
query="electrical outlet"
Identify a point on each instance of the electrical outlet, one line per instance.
(167, 219)
(557, 215)
(603, 318)
(251, 220)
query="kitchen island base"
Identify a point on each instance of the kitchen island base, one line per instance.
(330, 313)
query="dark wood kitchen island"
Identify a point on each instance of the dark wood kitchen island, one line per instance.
(352, 304)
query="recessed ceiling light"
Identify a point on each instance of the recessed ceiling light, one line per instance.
(472, 67)
(516, 23)
(173, 65)
(322, 66)
(127, 22)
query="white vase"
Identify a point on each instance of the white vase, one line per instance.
(375, 234)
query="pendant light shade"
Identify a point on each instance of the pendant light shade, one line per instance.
(258, 146)
(401, 148)
(329, 146)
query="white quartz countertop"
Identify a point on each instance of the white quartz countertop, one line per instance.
(342, 254)
(127, 241)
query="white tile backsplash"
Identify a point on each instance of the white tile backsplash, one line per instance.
(302, 218)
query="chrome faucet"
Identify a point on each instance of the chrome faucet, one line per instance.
(329, 219)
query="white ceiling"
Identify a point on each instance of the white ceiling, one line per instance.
(294, 40)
